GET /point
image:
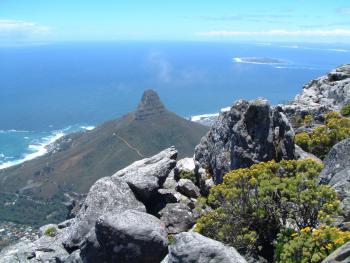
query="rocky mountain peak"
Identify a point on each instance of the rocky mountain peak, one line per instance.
(150, 105)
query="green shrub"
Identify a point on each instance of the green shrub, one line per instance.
(345, 111)
(252, 205)
(309, 245)
(170, 239)
(308, 119)
(324, 137)
(51, 231)
(188, 175)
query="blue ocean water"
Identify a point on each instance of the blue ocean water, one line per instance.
(46, 88)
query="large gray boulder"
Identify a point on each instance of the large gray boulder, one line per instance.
(341, 255)
(251, 132)
(146, 176)
(106, 197)
(132, 236)
(188, 188)
(327, 93)
(336, 172)
(177, 218)
(190, 247)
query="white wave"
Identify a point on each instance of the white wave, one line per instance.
(2, 155)
(87, 128)
(12, 131)
(36, 150)
(338, 50)
(292, 46)
(196, 118)
(238, 60)
(315, 48)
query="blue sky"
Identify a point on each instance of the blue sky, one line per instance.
(219, 20)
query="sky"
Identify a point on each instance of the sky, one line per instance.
(31, 21)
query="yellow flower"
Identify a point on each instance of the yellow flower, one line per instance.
(306, 229)
(329, 246)
(294, 234)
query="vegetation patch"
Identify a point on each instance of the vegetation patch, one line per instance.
(309, 245)
(253, 205)
(345, 111)
(324, 137)
(188, 175)
(51, 231)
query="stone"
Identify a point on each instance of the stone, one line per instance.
(177, 218)
(186, 165)
(132, 236)
(44, 249)
(188, 188)
(73, 203)
(189, 247)
(251, 132)
(336, 173)
(341, 255)
(170, 182)
(300, 154)
(106, 197)
(327, 93)
(65, 223)
(146, 176)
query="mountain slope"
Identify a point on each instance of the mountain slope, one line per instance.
(78, 160)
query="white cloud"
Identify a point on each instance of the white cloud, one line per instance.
(278, 32)
(18, 30)
(161, 66)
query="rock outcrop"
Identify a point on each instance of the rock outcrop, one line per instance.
(192, 247)
(132, 236)
(106, 197)
(336, 173)
(177, 218)
(188, 188)
(251, 132)
(150, 105)
(117, 221)
(341, 255)
(146, 176)
(327, 93)
(48, 248)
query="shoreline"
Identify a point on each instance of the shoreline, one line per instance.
(40, 147)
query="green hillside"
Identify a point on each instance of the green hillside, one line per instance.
(80, 159)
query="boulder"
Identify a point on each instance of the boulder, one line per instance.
(185, 165)
(188, 188)
(341, 255)
(251, 132)
(146, 176)
(132, 236)
(106, 197)
(336, 173)
(327, 93)
(300, 154)
(177, 218)
(189, 247)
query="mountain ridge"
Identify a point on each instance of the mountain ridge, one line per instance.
(76, 161)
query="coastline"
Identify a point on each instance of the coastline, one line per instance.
(38, 147)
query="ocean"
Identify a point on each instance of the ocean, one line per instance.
(49, 90)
